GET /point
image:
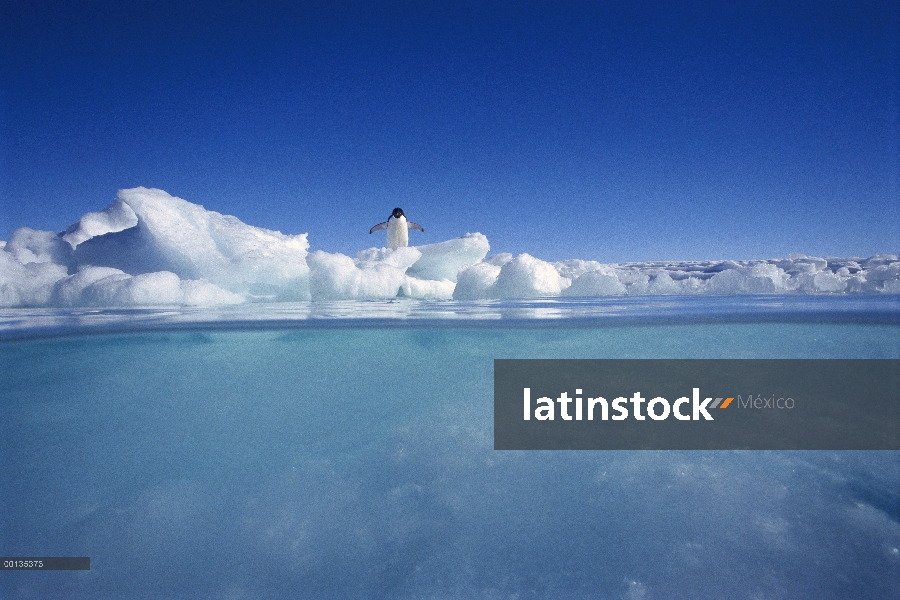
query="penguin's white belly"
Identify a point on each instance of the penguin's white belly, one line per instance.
(397, 233)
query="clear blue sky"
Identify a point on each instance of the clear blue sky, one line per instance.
(599, 130)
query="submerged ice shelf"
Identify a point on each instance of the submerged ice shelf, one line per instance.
(152, 249)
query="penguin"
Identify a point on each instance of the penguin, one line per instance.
(397, 229)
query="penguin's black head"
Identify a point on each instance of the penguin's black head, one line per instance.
(398, 212)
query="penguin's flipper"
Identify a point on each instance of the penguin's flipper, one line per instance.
(411, 225)
(378, 227)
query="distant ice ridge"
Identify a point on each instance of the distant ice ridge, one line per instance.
(150, 249)
(523, 276)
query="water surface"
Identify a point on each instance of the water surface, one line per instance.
(311, 452)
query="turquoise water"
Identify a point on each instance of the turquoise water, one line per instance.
(341, 458)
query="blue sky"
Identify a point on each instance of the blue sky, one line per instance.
(610, 131)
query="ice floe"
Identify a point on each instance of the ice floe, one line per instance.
(149, 248)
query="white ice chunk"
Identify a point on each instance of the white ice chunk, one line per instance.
(662, 283)
(691, 285)
(857, 283)
(174, 235)
(879, 260)
(499, 259)
(829, 282)
(502, 276)
(148, 289)
(117, 216)
(823, 281)
(800, 263)
(105, 286)
(882, 278)
(570, 270)
(573, 269)
(477, 282)
(526, 276)
(427, 288)
(199, 292)
(886, 272)
(28, 284)
(413, 271)
(636, 281)
(70, 291)
(444, 260)
(34, 246)
(337, 277)
(891, 287)
(402, 258)
(764, 278)
(595, 283)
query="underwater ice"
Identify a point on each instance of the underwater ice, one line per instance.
(150, 248)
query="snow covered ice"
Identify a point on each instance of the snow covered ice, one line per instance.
(150, 248)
